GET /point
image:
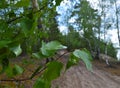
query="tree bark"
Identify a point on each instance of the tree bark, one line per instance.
(117, 22)
(35, 5)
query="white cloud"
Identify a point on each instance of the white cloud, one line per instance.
(94, 3)
(63, 29)
(72, 20)
(112, 35)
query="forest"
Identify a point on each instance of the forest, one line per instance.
(35, 36)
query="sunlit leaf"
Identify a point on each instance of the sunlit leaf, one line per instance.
(16, 49)
(43, 49)
(54, 45)
(82, 54)
(50, 48)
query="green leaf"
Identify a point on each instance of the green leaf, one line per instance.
(73, 60)
(85, 56)
(22, 3)
(11, 14)
(26, 25)
(38, 55)
(50, 48)
(16, 49)
(4, 43)
(54, 45)
(44, 50)
(3, 4)
(9, 72)
(40, 83)
(58, 2)
(17, 70)
(88, 53)
(53, 71)
(4, 25)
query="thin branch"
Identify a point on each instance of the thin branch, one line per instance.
(16, 80)
(35, 73)
(24, 79)
(61, 55)
(14, 19)
(41, 71)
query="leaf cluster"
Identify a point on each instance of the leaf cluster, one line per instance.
(23, 30)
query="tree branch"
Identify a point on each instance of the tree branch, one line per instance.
(61, 55)
(16, 80)
(24, 79)
(14, 19)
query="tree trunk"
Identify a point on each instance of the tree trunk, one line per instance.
(117, 22)
(35, 5)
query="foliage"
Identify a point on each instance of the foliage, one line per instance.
(90, 44)
(111, 51)
(25, 30)
(86, 30)
(82, 55)
(53, 68)
(68, 39)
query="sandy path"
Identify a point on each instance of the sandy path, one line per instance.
(79, 77)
